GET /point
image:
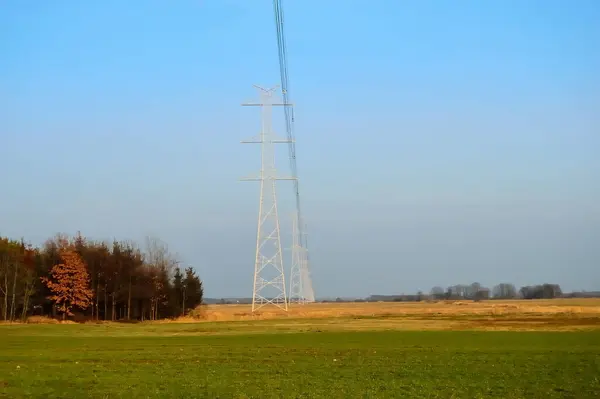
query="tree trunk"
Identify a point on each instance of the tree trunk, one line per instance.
(113, 310)
(105, 303)
(92, 284)
(14, 293)
(129, 301)
(25, 306)
(97, 298)
(6, 294)
(183, 303)
(26, 296)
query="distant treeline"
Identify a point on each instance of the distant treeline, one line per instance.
(474, 291)
(477, 292)
(85, 279)
(456, 292)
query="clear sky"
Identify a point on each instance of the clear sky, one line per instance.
(439, 142)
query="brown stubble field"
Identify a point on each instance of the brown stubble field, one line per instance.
(498, 315)
(521, 315)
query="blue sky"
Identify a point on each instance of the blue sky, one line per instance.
(439, 142)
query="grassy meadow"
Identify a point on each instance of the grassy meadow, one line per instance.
(539, 349)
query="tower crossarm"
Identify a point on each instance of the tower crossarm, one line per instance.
(269, 104)
(258, 178)
(259, 141)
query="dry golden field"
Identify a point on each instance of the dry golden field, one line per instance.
(521, 315)
(556, 314)
(348, 309)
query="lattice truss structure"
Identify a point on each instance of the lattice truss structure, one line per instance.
(301, 290)
(269, 276)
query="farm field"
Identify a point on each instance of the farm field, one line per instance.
(361, 351)
(556, 314)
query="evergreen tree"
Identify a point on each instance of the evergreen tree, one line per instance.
(193, 290)
(178, 296)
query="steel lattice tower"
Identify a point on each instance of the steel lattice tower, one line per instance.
(307, 287)
(301, 290)
(296, 282)
(269, 278)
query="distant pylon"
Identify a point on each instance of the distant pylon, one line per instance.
(307, 287)
(296, 293)
(269, 278)
(301, 290)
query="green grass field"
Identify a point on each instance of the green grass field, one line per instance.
(197, 361)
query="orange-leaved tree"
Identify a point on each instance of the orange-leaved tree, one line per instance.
(69, 282)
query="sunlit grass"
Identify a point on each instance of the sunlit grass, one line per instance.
(373, 350)
(172, 361)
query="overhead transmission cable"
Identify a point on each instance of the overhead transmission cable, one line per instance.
(289, 125)
(289, 113)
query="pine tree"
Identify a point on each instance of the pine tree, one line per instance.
(193, 289)
(178, 297)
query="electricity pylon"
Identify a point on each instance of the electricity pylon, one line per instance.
(269, 278)
(307, 288)
(301, 290)
(296, 293)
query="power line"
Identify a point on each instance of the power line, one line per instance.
(289, 124)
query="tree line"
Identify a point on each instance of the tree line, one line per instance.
(476, 291)
(94, 280)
